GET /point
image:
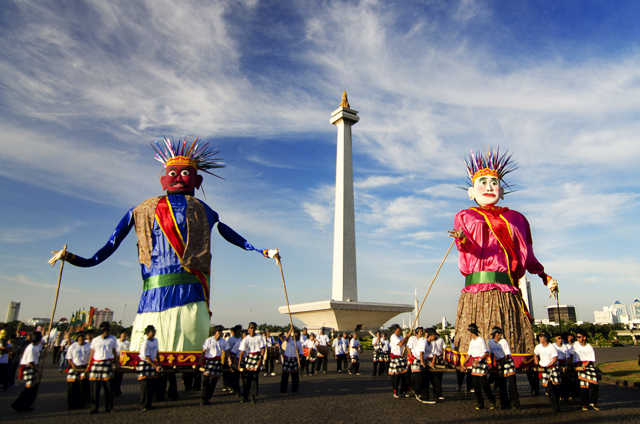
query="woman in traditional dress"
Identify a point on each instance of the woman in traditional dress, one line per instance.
(495, 250)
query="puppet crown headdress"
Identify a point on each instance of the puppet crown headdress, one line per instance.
(196, 154)
(490, 162)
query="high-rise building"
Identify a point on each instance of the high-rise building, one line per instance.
(525, 287)
(634, 310)
(104, 315)
(565, 313)
(13, 311)
(618, 313)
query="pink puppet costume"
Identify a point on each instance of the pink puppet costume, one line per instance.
(495, 250)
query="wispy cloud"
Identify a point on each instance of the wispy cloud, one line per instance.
(26, 235)
(376, 181)
(321, 205)
(29, 281)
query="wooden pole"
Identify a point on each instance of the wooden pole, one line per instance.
(53, 313)
(55, 302)
(427, 294)
(284, 285)
(558, 305)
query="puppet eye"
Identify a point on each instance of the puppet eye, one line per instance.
(172, 173)
(184, 173)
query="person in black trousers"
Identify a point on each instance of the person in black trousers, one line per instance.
(290, 363)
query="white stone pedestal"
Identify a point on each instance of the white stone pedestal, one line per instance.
(345, 316)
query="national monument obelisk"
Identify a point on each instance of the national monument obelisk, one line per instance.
(343, 312)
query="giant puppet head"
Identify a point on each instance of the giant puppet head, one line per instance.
(486, 172)
(182, 161)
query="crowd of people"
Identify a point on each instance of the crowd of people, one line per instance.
(564, 365)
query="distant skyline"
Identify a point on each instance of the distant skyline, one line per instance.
(86, 86)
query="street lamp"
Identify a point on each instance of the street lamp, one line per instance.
(124, 313)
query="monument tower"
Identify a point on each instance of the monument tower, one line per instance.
(343, 312)
(345, 279)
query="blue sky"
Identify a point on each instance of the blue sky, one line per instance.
(85, 86)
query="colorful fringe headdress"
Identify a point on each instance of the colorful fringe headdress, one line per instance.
(490, 162)
(200, 156)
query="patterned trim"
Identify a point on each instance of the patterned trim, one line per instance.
(213, 367)
(507, 368)
(416, 366)
(289, 365)
(250, 361)
(550, 374)
(29, 376)
(76, 376)
(146, 370)
(588, 376)
(101, 370)
(481, 369)
(378, 355)
(398, 365)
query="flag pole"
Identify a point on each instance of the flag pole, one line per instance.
(284, 285)
(53, 313)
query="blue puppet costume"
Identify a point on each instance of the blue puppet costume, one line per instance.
(174, 240)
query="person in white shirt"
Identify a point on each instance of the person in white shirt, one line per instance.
(100, 369)
(57, 347)
(230, 374)
(122, 346)
(270, 358)
(415, 362)
(290, 367)
(479, 352)
(78, 391)
(339, 346)
(311, 349)
(251, 350)
(505, 369)
(398, 367)
(546, 357)
(304, 336)
(354, 348)
(148, 368)
(423, 378)
(386, 355)
(565, 357)
(323, 352)
(31, 373)
(378, 356)
(212, 351)
(586, 356)
(436, 353)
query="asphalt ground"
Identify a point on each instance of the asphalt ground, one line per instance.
(331, 398)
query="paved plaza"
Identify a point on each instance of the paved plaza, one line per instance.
(331, 398)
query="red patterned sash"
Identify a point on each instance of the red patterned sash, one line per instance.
(167, 222)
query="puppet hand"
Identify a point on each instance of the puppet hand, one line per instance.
(272, 253)
(456, 233)
(553, 287)
(62, 255)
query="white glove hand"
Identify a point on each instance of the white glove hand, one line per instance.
(58, 255)
(553, 288)
(272, 253)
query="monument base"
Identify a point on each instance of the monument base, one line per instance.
(345, 316)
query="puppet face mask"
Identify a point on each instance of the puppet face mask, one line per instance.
(180, 179)
(486, 191)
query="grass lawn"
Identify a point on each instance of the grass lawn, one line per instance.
(624, 370)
